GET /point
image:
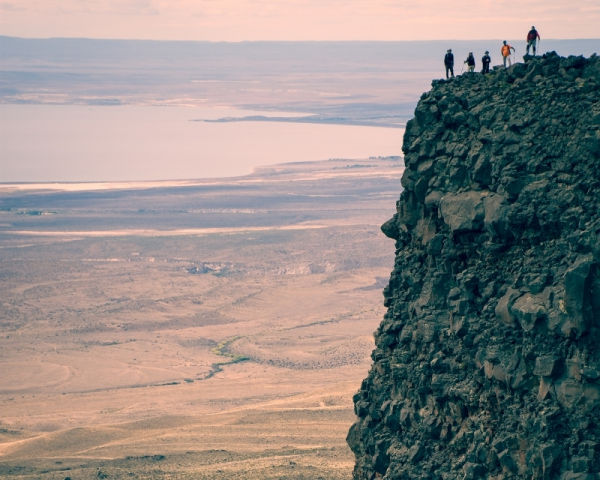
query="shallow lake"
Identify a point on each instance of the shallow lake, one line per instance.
(41, 143)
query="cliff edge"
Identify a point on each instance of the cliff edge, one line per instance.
(487, 362)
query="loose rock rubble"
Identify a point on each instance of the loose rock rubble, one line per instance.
(488, 359)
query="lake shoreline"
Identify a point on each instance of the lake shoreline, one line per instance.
(384, 122)
(259, 173)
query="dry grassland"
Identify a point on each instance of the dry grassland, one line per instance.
(143, 351)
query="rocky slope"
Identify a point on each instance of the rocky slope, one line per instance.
(488, 359)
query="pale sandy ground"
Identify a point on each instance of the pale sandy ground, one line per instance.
(118, 353)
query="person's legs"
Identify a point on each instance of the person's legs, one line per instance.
(447, 69)
(504, 60)
(533, 43)
(452, 69)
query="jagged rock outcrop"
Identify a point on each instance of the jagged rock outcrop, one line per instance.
(487, 362)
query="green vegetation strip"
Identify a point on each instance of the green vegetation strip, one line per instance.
(221, 350)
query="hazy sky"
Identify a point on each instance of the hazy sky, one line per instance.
(235, 20)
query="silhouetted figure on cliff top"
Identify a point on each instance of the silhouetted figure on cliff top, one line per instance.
(449, 62)
(532, 38)
(505, 50)
(470, 61)
(485, 61)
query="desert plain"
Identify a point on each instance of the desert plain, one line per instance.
(191, 329)
(211, 328)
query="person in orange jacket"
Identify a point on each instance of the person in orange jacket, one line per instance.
(533, 37)
(505, 50)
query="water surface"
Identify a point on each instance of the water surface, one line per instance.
(74, 143)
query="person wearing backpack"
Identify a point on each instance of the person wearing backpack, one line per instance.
(505, 50)
(470, 61)
(485, 61)
(533, 37)
(449, 62)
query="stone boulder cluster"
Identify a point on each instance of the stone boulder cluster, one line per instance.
(487, 362)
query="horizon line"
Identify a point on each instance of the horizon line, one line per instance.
(281, 41)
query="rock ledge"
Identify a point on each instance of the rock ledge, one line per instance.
(488, 359)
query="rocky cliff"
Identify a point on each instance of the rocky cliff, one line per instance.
(487, 362)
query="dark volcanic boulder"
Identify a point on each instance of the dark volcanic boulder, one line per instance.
(488, 359)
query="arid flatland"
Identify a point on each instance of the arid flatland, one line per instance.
(202, 329)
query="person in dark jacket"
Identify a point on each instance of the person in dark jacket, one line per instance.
(449, 62)
(485, 61)
(532, 38)
(470, 61)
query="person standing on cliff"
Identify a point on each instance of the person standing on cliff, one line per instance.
(485, 61)
(505, 50)
(449, 62)
(470, 61)
(533, 37)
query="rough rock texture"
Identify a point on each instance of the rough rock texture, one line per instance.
(488, 360)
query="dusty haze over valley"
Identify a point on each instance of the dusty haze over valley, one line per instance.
(336, 82)
(205, 328)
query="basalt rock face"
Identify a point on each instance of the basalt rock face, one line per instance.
(487, 362)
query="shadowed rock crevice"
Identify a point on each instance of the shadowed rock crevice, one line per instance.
(488, 359)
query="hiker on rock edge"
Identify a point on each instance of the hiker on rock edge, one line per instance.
(532, 38)
(449, 62)
(470, 61)
(505, 50)
(486, 60)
